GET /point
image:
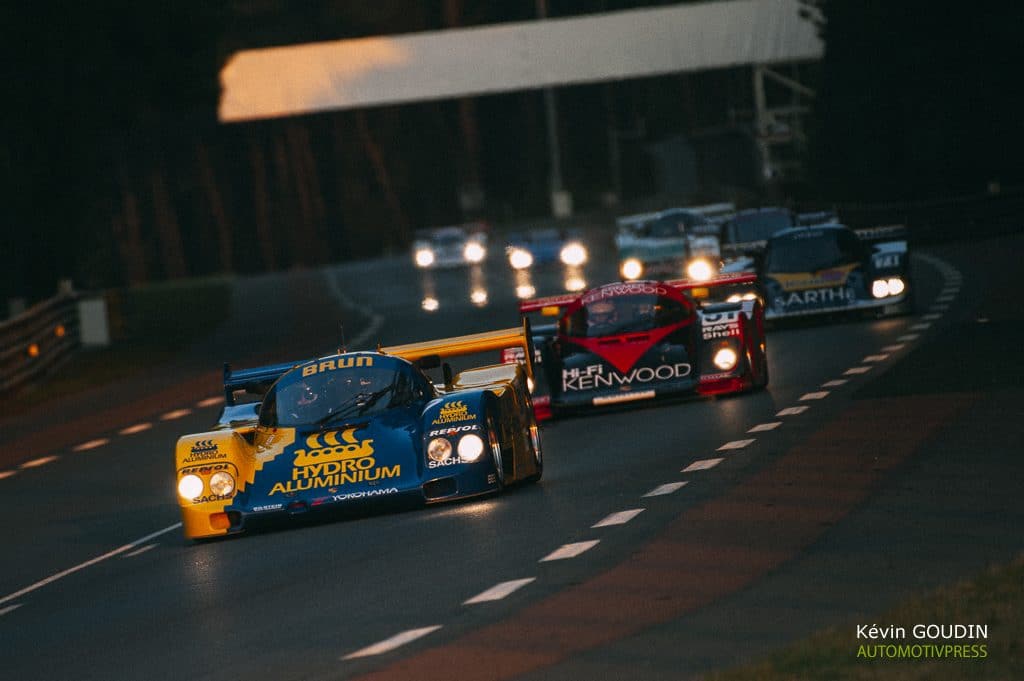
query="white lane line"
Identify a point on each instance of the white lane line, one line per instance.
(396, 641)
(7, 474)
(91, 444)
(835, 383)
(736, 444)
(702, 465)
(921, 327)
(618, 518)
(137, 552)
(875, 358)
(939, 308)
(667, 488)
(765, 427)
(931, 317)
(137, 428)
(35, 463)
(499, 591)
(793, 411)
(81, 566)
(570, 550)
(856, 371)
(893, 348)
(176, 414)
(209, 402)
(9, 608)
(820, 395)
(944, 299)
(909, 337)
(950, 291)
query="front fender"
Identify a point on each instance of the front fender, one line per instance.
(202, 455)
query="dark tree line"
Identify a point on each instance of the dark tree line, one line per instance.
(115, 171)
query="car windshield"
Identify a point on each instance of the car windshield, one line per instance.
(758, 226)
(811, 251)
(625, 314)
(331, 395)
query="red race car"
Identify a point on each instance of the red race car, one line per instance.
(644, 340)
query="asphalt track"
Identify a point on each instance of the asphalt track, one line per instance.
(903, 476)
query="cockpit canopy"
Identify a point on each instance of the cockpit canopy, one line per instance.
(609, 316)
(332, 389)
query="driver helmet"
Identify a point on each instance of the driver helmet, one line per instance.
(601, 312)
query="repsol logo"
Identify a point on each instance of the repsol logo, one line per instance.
(611, 379)
(206, 469)
(452, 431)
(340, 363)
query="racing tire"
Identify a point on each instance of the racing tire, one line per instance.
(761, 382)
(537, 451)
(494, 442)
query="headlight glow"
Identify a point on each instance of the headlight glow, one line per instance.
(725, 359)
(222, 484)
(573, 254)
(470, 447)
(632, 269)
(575, 284)
(525, 291)
(896, 286)
(478, 296)
(474, 252)
(880, 288)
(699, 270)
(190, 486)
(529, 384)
(734, 298)
(430, 304)
(519, 258)
(424, 257)
(439, 449)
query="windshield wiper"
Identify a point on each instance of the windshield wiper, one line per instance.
(361, 403)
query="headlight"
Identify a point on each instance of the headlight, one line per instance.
(632, 269)
(896, 286)
(430, 304)
(573, 254)
(525, 291)
(439, 449)
(424, 257)
(470, 447)
(519, 258)
(734, 298)
(474, 252)
(222, 484)
(699, 270)
(529, 384)
(880, 288)
(190, 486)
(478, 296)
(725, 359)
(575, 284)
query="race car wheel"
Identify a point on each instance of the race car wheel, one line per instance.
(537, 451)
(495, 444)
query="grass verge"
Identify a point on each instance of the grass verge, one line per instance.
(994, 598)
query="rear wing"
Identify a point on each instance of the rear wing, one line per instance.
(517, 336)
(255, 381)
(721, 280)
(882, 233)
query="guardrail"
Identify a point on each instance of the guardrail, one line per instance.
(38, 340)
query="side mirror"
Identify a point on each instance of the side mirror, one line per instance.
(429, 362)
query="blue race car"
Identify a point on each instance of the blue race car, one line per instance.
(359, 427)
